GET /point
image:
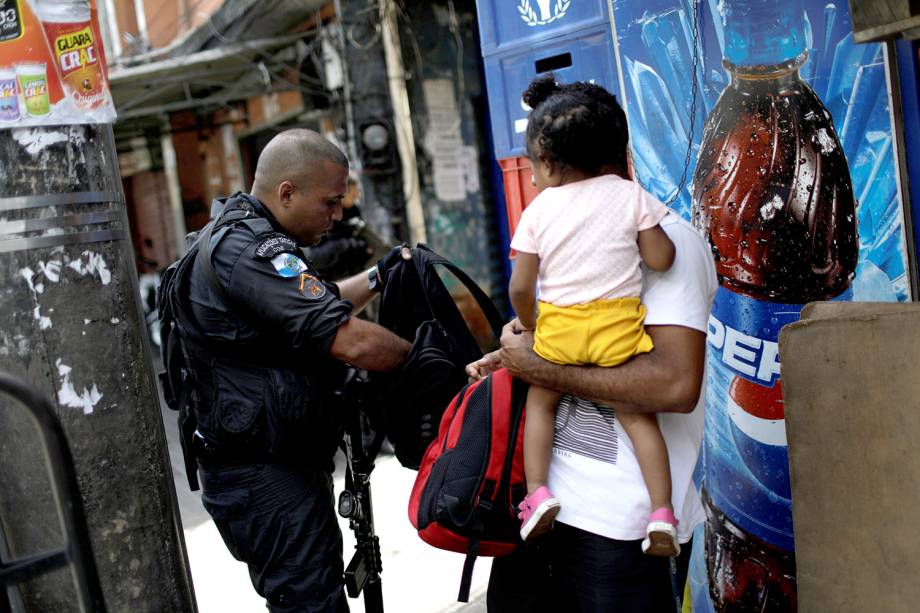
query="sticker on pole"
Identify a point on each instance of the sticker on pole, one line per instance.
(52, 65)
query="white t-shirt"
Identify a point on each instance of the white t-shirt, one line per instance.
(594, 472)
(585, 236)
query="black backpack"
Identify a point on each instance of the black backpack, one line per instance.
(177, 379)
(407, 404)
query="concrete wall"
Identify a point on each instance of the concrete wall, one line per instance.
(147, 199)
(852, 401)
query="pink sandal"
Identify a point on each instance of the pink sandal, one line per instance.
(661, 539)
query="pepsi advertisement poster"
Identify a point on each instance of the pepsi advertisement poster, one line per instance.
(790, 174)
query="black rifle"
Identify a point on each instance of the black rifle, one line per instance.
(363, 571)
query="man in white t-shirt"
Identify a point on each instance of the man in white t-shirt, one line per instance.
(592, 560)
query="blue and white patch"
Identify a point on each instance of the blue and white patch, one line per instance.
(288, 265)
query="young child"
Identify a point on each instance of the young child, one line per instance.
(583, 239)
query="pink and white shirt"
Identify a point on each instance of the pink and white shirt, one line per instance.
(585, 236)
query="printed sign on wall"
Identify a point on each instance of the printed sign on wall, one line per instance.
(52, 66)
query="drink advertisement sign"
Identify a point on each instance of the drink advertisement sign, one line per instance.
(768, 127)
(52, 65)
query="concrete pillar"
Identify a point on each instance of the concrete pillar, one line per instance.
(72, 327)
(171, 169)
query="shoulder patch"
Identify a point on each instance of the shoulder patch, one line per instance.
(311, 286)
(288, 264)
(273, 245)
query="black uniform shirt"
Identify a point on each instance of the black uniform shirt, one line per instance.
(281, 307)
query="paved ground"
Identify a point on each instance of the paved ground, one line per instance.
(416, 577)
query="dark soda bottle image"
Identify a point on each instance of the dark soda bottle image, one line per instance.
(772, 189)
(773, 195)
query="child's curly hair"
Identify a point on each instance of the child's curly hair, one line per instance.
(580, 125)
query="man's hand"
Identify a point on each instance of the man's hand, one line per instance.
(517, 353)
(481, 368)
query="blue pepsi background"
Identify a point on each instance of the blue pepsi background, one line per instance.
(672, 76)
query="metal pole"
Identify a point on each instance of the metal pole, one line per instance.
(402, 119)
(141, 16)
(66, 493)
(893, 79)
(12, 601)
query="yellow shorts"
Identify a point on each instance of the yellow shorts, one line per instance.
(604, 332)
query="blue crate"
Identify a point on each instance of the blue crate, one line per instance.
(585, 56)
(506, 24)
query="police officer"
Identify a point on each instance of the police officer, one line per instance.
(267, 343)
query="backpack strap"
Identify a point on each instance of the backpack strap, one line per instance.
(187, 427)
(424, 259)
(203, 258)
(472, 551)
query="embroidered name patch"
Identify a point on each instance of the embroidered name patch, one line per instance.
(288, 264)
(273, 245)
(311, 287)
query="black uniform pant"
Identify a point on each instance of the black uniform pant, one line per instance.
(574, 570)
(281, 522)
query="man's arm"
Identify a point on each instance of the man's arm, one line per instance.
(367, 345)
(355, 289)
(668, 379)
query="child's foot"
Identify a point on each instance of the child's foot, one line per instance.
(661, 539)
(538, 510)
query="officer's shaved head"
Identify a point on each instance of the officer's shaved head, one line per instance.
(293, 155)
(301, 180)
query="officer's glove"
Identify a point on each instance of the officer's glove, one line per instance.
(391, 259)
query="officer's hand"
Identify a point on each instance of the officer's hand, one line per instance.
(390, 260)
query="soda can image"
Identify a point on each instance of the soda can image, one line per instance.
(76, 50)
(33, 83)
(9, 96)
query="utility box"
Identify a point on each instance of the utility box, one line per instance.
(585, 56)
(508, 24)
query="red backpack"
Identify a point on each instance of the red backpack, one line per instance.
(471, 478)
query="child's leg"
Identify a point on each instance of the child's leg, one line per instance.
(539, 425)
(652, 455)
(539, 508)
